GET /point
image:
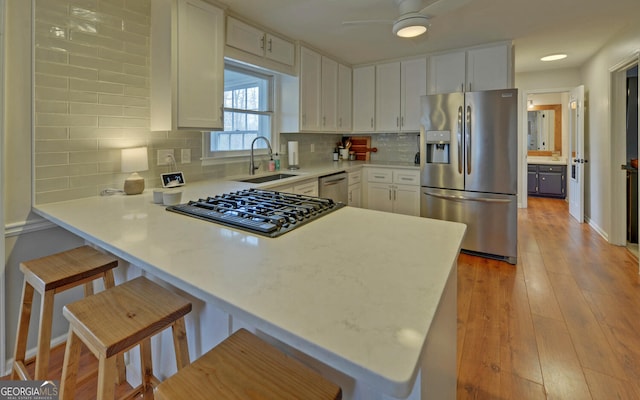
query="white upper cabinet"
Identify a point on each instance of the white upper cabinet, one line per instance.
(399, 86)
(364, 94)
(187, 72)
(310, 90)
(413, 85)
(256, 41)
(329, 94)
(344, 98)
(476, 69)
(388, 97)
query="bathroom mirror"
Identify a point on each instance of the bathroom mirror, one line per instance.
(544, 134)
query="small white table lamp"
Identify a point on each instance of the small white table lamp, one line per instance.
(134, 160)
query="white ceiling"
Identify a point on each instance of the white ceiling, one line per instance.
(537, 28)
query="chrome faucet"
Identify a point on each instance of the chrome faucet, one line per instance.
(252, 167)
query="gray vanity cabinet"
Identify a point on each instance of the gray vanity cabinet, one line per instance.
(547, 180)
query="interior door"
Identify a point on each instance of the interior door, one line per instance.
(576, 153)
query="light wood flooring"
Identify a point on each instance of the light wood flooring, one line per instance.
(564, 323)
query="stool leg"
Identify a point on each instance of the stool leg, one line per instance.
(106, 377)
(70, 366)
(121, 377)
(180, 343)
(44, 335)
(23, 333)
(147, 369)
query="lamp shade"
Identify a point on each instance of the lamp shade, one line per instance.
(134, 160)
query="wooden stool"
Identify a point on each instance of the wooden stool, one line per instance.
(112, 322)
(50, 275)
(246, 367)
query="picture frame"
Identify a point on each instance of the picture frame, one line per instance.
(172, 179)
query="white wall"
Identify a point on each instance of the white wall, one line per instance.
(595, 76)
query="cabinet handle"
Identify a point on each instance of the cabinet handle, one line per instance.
(389, 194)
(462, 87)
(402, 121)
(397, 121)
(270, 45)
(394, 194)
(372, 122)
(262, 43)
(470, 86)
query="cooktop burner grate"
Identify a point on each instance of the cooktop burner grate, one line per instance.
(264, 212)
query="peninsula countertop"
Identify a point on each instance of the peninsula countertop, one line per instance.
(356, 289)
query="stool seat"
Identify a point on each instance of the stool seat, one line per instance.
(114, 321)
(48, 276)
(246, 367)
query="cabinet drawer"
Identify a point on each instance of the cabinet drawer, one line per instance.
(532, 168)
(406, 177)
(354, 177)
(550, 168)
(380, 175)
(307, 188)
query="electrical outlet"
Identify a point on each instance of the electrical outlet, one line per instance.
(165, 156)
(313, 147)
(185, 156)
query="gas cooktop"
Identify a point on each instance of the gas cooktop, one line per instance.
(265, 212)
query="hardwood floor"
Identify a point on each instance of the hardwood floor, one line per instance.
(561, 324)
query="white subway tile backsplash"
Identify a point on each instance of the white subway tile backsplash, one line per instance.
(47, 185)
(43, 197)
(60, 57)
(65, 45)
(136, 112)
(95, 86)
(43, 81)
(46, 159)
(125, 79)
(110, 122)
(94, 109)
(122, 56)
(96, 40)
(66, 120)
(83, 97)
(46, 146)
(60, 107)
(132, 98)
(51, 133)
(95, 63)
(45, 93)
(97, 133)
(65, 70)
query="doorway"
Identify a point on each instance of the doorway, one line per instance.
(624, 153)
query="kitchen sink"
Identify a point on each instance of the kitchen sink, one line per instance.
(267, 178)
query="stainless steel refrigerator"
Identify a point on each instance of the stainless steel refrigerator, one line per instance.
(469, 167)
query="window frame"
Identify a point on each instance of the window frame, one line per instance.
(270, 77)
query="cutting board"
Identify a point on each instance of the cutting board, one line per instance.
(361, 145)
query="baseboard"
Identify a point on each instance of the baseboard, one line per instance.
(597, 228)
(32, 353)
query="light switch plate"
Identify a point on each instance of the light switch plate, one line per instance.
(163, 156)
(185, 156)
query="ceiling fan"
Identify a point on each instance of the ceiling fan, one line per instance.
(414, 15)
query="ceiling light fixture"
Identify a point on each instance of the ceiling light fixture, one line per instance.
(411, 25)
(554, 57)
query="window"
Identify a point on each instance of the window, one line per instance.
(247, 113)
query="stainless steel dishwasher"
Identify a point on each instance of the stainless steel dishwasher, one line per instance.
(334, 187)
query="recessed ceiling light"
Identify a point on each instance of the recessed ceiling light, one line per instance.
(553, 57)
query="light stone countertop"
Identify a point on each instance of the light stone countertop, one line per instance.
(356, 289)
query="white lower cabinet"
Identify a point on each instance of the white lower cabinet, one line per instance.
(394, 190)
(307, 188)
(354, 180)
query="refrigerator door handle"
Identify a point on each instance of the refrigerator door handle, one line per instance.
(463, 198)
(468, 140)
(460, 140)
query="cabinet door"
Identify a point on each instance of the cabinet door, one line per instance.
(488, 68)
(310, 89)
(200, 65)
(364, 91)
(413, 76)
(447, 73)
(388, 97)
(329, 83)
(245, 37)
(380, 197)
(344, 98)
(307, 189)
(355, 195)
(406, 200)
(279, 50)
(532, 182)
(550, 183)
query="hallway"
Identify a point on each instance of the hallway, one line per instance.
(562, 324)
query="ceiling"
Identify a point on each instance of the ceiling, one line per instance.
(537, 28)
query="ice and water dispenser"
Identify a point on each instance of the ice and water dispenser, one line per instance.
(438, 145)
